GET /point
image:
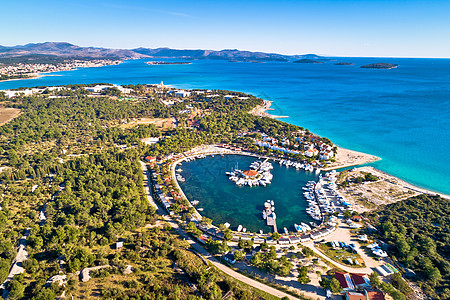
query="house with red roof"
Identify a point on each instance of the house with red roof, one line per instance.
(360, 281)
(150, 158)
(354, 296)
(374, 294)
(345, 281)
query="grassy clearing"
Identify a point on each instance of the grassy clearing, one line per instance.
(342, 255)
(7, 114)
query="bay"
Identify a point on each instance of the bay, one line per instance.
(401, 115)
(224, 201)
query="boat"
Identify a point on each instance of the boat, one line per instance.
(285, 230)
(306, 226)
(239, 229)
(264, 215)
(200, 209)
(179, 170)
(195, 202)
(244, 229)
(298, 228)
(260, 231)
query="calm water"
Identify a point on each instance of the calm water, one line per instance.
(401, 115)
(224, 201)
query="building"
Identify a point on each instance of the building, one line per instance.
(100, 88)
(374, 295)
(229, 258)
(345, 281)
(150, 159)
(354, 296)
(250, 173)
(360, 281)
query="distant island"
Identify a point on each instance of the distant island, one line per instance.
(307, 61)
(380, 66)
(168, 63)
(343, 64)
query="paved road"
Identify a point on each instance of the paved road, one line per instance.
(205, 253)
(342, 233)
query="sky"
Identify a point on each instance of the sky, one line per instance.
(377, 28)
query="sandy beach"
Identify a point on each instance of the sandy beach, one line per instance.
(260, 111)
(347, 158)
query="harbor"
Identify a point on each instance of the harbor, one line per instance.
(225, 202)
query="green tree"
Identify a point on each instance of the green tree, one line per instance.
(303, 275)
(276, 236)
(238, 255)
(335, 286)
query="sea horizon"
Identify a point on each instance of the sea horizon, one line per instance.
(397, 115)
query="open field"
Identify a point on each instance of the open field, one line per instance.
(167, 123)
(7, 114)
(366, 196)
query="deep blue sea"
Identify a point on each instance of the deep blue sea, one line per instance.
(401, 115)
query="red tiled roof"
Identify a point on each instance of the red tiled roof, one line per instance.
(358, 278)
(375, 295)
(355, 296)
(341, 278)
(250, 173)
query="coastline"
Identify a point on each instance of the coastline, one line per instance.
(44, 74)
(347, 158)
(260, 111)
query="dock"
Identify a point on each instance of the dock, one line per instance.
(270, 221)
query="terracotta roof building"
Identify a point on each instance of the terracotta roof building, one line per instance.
(345, 281)
(250, 173)
(354, 296)
(360, 280)
(374, 295)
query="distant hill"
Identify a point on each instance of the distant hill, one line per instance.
(228, 54)
(63, 49)
(66, 50)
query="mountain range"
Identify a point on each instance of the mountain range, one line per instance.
(67, 50)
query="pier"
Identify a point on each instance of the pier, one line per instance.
(272, 222)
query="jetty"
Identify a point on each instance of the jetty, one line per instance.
(272, 222)
(269, 214)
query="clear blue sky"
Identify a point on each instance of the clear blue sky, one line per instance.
(407, 28)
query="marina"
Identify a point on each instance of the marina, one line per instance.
(225, 202)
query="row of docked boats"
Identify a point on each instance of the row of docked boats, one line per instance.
(191, 158)
(303, 227)
(313, 208)
(299, 166)
(262, 166)
(269, 210)
(259, 175)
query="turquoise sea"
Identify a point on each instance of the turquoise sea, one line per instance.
(401, 115)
